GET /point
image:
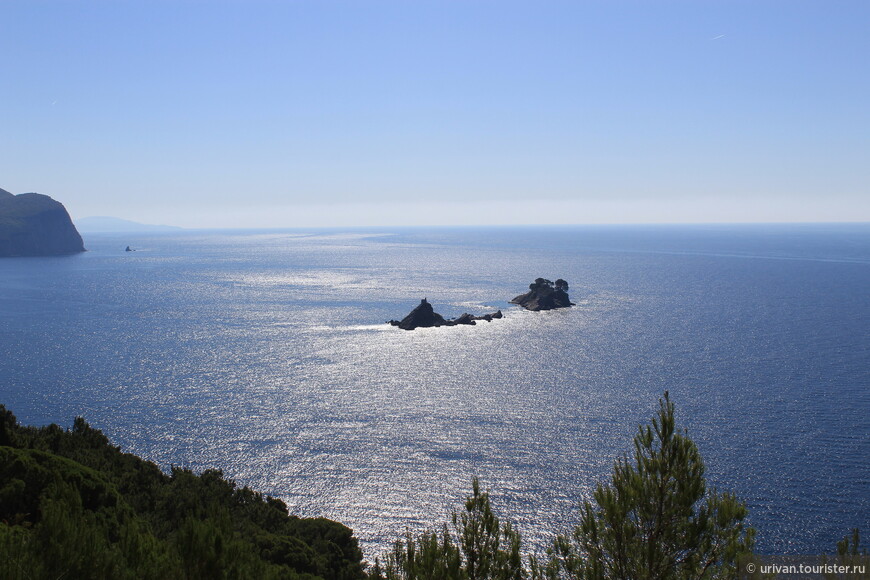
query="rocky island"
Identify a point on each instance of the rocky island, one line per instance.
(425, 316)
(542, 295)
(32, 224)
(545, 295)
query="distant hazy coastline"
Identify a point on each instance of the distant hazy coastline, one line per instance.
(106, 224)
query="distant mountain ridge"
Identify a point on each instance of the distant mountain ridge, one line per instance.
(32, 224)
(100, 224)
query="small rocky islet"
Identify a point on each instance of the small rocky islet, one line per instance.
(545, 295)
(542, 295)
(425, 316)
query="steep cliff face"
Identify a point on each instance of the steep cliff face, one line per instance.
(32, 224)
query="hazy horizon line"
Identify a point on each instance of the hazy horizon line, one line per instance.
(485, 225)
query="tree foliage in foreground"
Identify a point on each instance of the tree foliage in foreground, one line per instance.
(74, 506)
(655, 520)
(851, 553)
(477, 546)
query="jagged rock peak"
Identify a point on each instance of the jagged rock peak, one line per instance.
(425, 316)
(421, 316)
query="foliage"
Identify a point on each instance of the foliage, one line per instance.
(478, 547)
(851, 553)
(544, 285)
(73, 506)
(541, 284)
(656, 519)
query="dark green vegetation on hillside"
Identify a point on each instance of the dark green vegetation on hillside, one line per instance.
(74, 506)
(32, 224)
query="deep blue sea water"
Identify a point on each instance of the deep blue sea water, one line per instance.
(265, 353)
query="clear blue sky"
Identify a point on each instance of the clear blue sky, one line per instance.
(293, 113)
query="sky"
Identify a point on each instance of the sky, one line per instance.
(413, 112)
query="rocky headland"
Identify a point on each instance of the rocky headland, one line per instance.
(32, 224)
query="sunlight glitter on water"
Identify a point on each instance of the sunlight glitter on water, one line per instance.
(268, 356)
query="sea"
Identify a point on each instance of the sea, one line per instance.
(266, 354)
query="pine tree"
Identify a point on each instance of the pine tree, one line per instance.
(478, 547)
(656, 520)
